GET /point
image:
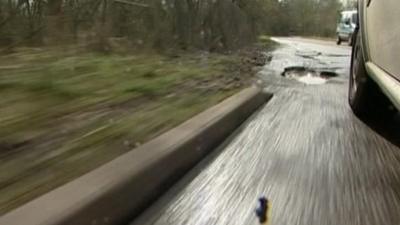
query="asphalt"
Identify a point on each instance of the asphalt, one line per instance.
(305, 151)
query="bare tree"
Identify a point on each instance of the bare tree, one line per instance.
(214, 25)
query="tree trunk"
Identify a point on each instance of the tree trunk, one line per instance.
(55, 22)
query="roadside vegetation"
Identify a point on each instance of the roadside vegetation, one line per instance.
(84, 81)
(63, 113)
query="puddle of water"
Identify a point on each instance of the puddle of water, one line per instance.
(311, 79)
(308, 76)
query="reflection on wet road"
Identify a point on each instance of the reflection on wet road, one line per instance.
(305, 151)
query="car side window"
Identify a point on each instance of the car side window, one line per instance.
(345, 17)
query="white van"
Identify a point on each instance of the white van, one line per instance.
(346, 26)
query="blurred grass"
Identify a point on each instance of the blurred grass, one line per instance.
(63, 113)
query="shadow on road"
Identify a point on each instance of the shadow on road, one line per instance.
(386, 126)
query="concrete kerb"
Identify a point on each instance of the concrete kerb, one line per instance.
(121, 189)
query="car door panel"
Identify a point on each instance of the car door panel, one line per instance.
(383, 30)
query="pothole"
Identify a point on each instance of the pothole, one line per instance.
(307, 75)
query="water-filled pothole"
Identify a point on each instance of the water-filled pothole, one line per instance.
(307, 75)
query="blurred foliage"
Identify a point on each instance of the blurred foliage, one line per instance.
(213, 25)
(63, 113)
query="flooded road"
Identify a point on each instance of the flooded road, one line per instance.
(305, 151)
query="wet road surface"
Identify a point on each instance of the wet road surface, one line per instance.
(305, 151)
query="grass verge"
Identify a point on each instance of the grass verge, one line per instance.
(64, 113)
